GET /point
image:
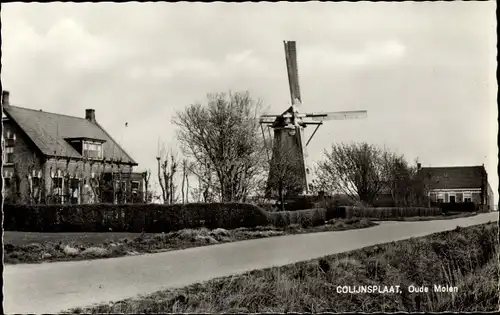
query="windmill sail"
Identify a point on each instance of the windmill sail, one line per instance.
(358, 114)
(293, 72)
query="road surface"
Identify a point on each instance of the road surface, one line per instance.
(58, 286)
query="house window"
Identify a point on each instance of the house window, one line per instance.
(440, 197)
(9, 155)
(467, 197)
(57, 182)
(35, 182)
(135, 185)
(92, 150)
(452, 198)
(7, 182)
(74, 184)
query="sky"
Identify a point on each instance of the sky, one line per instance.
(424, 71)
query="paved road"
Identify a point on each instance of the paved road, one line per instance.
(53, 287)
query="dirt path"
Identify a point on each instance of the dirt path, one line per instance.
(53, 287)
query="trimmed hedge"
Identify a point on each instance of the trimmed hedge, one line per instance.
(305, 218)
(150, 218)
(458, 207)
(388, 213)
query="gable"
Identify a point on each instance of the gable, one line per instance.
(49, 132)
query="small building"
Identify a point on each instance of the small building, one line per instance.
(458, 184)
(55, 158)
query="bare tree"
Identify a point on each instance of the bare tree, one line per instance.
(167, 168)
(147, 176)
(185, 181)
(225, 134)
(355, 170)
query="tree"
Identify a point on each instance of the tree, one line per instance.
(147, 176)
(185, 181)
(355, 170)
(167, 168)
(222, 138)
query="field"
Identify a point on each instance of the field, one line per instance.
(31, 247)
(465, 258)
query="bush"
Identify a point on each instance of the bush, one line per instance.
(150, 218)
(388, 213)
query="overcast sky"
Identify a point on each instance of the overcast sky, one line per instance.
(424, 71)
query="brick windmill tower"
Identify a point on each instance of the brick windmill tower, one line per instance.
(289, 154)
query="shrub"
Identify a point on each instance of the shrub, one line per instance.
(151, 218)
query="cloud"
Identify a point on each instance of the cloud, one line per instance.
(78, 48)
(373, 53)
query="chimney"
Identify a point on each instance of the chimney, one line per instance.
(90, 115)
(5, 98)
(419, 166)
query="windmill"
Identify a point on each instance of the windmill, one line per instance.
(289, 126)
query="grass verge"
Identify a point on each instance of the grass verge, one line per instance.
(28, 247)
(466, 258)
(448, 216)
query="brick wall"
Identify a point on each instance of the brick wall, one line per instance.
(26, 158)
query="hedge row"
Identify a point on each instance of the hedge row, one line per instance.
(155, 218)
(388, 213)
(458, 207)
(151, 218)
(305, 218)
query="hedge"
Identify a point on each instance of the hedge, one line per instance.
(305, 218)
(150, 218)
(458, 207)
(393, 212)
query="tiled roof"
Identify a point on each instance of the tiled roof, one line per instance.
(49, 130)
(453, 177)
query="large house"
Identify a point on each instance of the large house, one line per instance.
(55, 158)
(459, 184)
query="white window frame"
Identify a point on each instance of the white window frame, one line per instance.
(94, 147)
(7, 151)
(467, 195)
(58, 174)
(440, 196)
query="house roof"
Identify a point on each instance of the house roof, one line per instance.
(453, 177)
(48, 132)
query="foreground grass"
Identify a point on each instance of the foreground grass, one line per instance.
(465, 258)
(25, 247)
